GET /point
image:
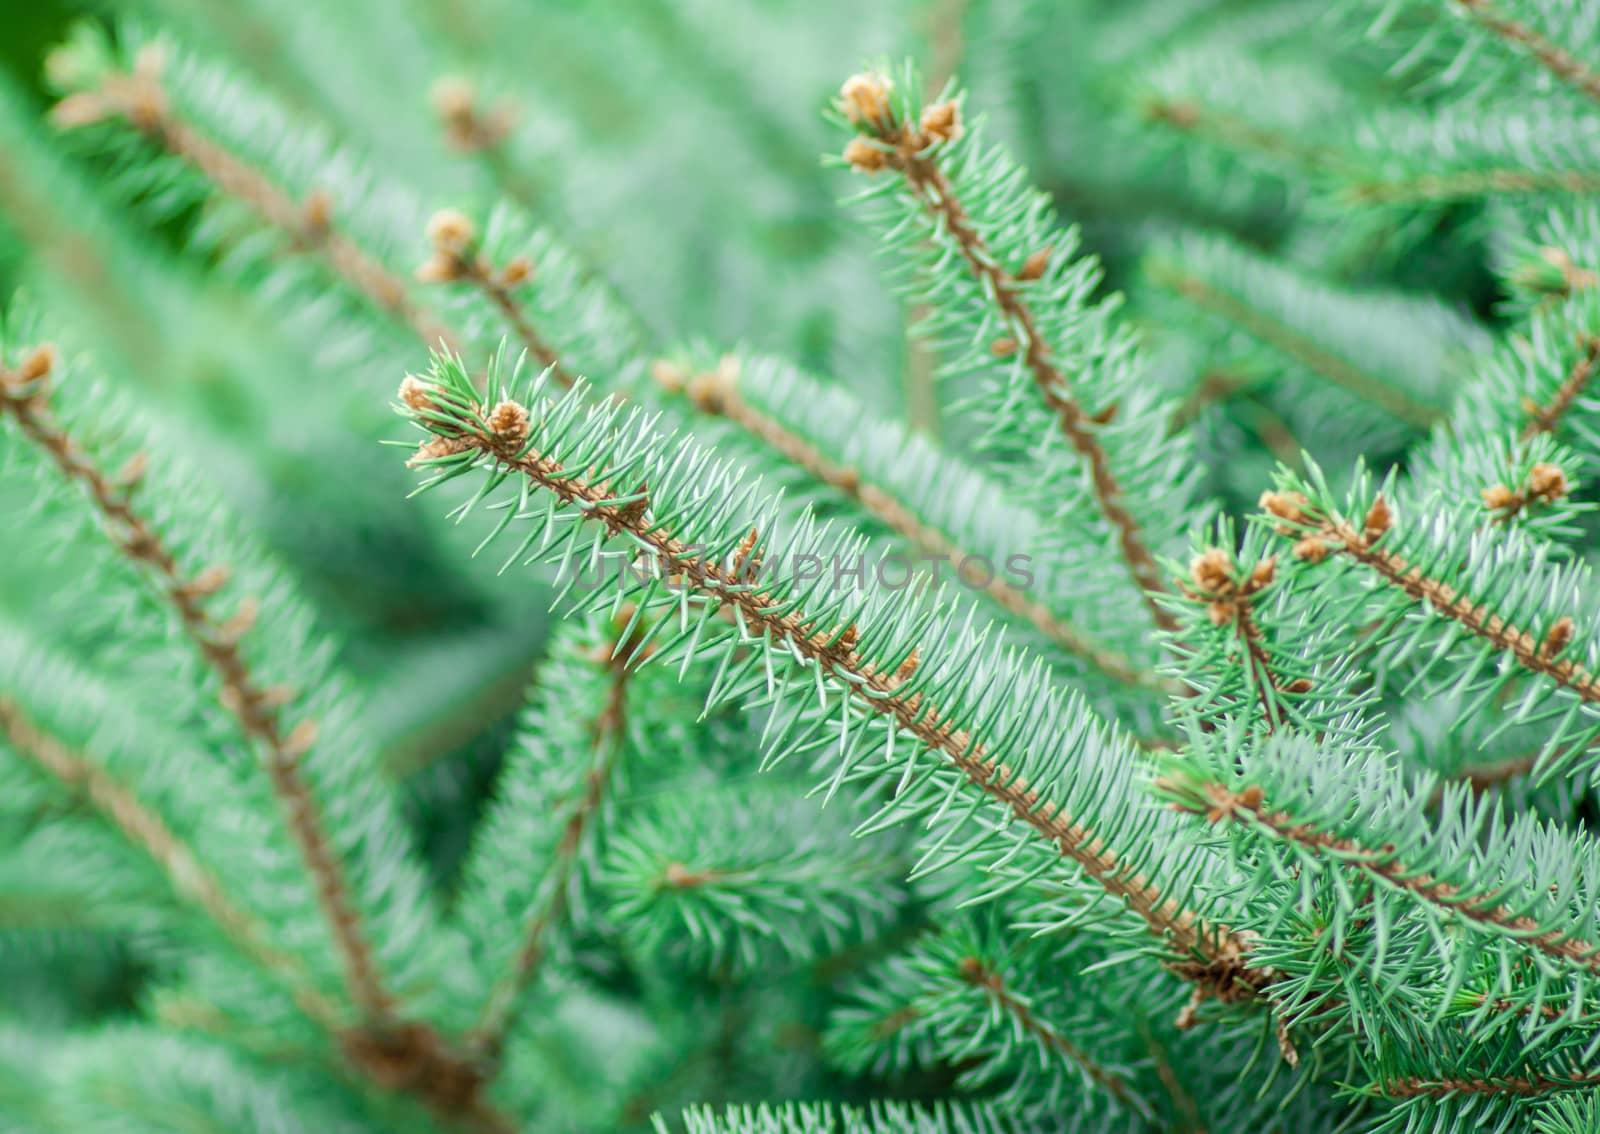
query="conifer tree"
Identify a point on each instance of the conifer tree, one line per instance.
(534, 604)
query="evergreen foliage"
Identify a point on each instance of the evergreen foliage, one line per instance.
(1094, 631)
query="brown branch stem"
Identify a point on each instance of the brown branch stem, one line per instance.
(979, 975)
(1297, 346)
(1220, 951)
(256, 708)
(721, 397)
(607, 732)
(1545, 418)
(1382, 863)
(1443, 598)
(926, 181)
(138, 98)
(1552, 57)
(1526, 1085)
(144, 828)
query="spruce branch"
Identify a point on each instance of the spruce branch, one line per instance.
(1520, 37)
(1322, 533)
(1438, 188)
(607, 733)
(1227, 594)
(503, 439)
(145, 829)
(137, 97)
(716, 392)
(1292, 342)
(1483, 910)
(884, 142)
(1545, 418)
(24, 397)
(992, 983)
(456, 257)
(1525, 1085)
(1231, 131)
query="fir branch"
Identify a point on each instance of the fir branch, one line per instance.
(1236, 133)
(1227, 595)
(456, 257)
(1433, 188)
(716, 392)
(979, 975)
(1287, 339)
(189, 877)
(1545, 418)
(1484, 911)
(1552, 57)
(1526, 1085)
(23, 396)
(138, 98)
(913, 152)
(503, 438)
(1332, 534)
(608, 732)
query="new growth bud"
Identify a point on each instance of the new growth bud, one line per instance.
(941, 122)
(864, 98)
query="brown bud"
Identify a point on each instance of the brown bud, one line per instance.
(1559, 637)
(417, 394)
(1212, 571)
(1104, 416)
(680, 877)
(941, 121)
(1312, 549)
(864, 156)
(669, 375)
(450, 232)
(1251, 797)
(277, 696)
(1263, 572)
(316, 213)
(436, 448)
(1003, 347)
(300, 739)
(150, 60)
(908, 668)
(1221, 613)
(438, 269)
(708, 392)
(243, 619)
(1285, 505)
(209, 581)
(1555, 257)
(509, 422)
(971, 969)
(864, 98)
(453, 97)
(1298, 685)
(1547, 482)
(518, 271)
(38, 362)
(82, 109)
(1034, 266)
(1498, 496)
(747, 557)
(132, 472)
(1379, 517)
(145, 105)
